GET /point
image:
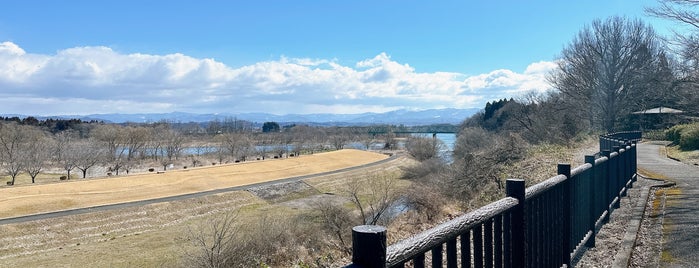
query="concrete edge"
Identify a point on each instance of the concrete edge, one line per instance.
(623, 256)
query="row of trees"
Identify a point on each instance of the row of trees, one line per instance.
(32, 148)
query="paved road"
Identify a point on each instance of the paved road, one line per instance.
(180, 197)
(681, 222)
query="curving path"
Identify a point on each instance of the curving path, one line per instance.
(681, 221)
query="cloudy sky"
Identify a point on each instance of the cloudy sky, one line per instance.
(85, 57)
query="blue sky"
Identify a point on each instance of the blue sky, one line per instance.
(82, 57)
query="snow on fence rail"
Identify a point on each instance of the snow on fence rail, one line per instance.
(545, 225)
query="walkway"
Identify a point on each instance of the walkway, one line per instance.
(681, 222)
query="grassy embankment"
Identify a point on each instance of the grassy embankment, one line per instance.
(154, 235)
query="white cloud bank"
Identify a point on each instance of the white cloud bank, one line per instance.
(85, 80)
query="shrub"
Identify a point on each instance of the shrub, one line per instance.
(689, 138)
(686, 136)
(673, 134)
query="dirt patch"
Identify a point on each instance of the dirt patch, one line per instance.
(312, 202)
(283, 191)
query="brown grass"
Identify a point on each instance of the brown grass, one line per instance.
(146, 236)
(689, 157)
(32, 199)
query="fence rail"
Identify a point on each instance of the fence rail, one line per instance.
(545, 225)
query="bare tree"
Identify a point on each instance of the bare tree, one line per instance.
(423, 148)
(373, 196)
(265, 142)
(113, 139)
(302, 138)
(64, 151)
(110, 135)
(678, 10)
(685, 12)
(38, 153)
(337, 220)
(219, 147)
(13, 144)
(340, 137)
(213, 242)
(606, 68)
(237, 145)
(87, 154)
(135, 140)
(367, 140)
(173, 143)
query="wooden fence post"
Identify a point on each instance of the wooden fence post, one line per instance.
(590, 159)
(515, 188)
(369, 246)
(627, 165)
(634, 160)
(606, 178)
(564, 169)
(616, 172)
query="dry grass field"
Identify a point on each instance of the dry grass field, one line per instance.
(155, 235)
(78, 193)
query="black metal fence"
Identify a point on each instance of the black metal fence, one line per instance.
(545, 225)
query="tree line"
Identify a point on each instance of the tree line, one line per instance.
(31, 146)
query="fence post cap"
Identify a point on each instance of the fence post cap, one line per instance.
(369, 229)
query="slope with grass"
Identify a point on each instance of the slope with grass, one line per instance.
(154, 235)
(33, 199)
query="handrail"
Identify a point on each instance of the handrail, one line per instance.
(542, 225)
(426, 240)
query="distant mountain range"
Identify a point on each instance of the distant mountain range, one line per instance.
(405, 117)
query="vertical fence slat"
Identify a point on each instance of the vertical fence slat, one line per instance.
(590, 159)
(451, 253)
(606, 180)
(488, 244)
(419, 261)
(498, 241)
(465, 240)
(437, 256)
(478, 246)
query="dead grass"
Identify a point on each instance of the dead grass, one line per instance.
(689, 157)
(148, 236)
(541, 161)
(77, 193)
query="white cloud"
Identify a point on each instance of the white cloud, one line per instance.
(512, 83)
(84, 80)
